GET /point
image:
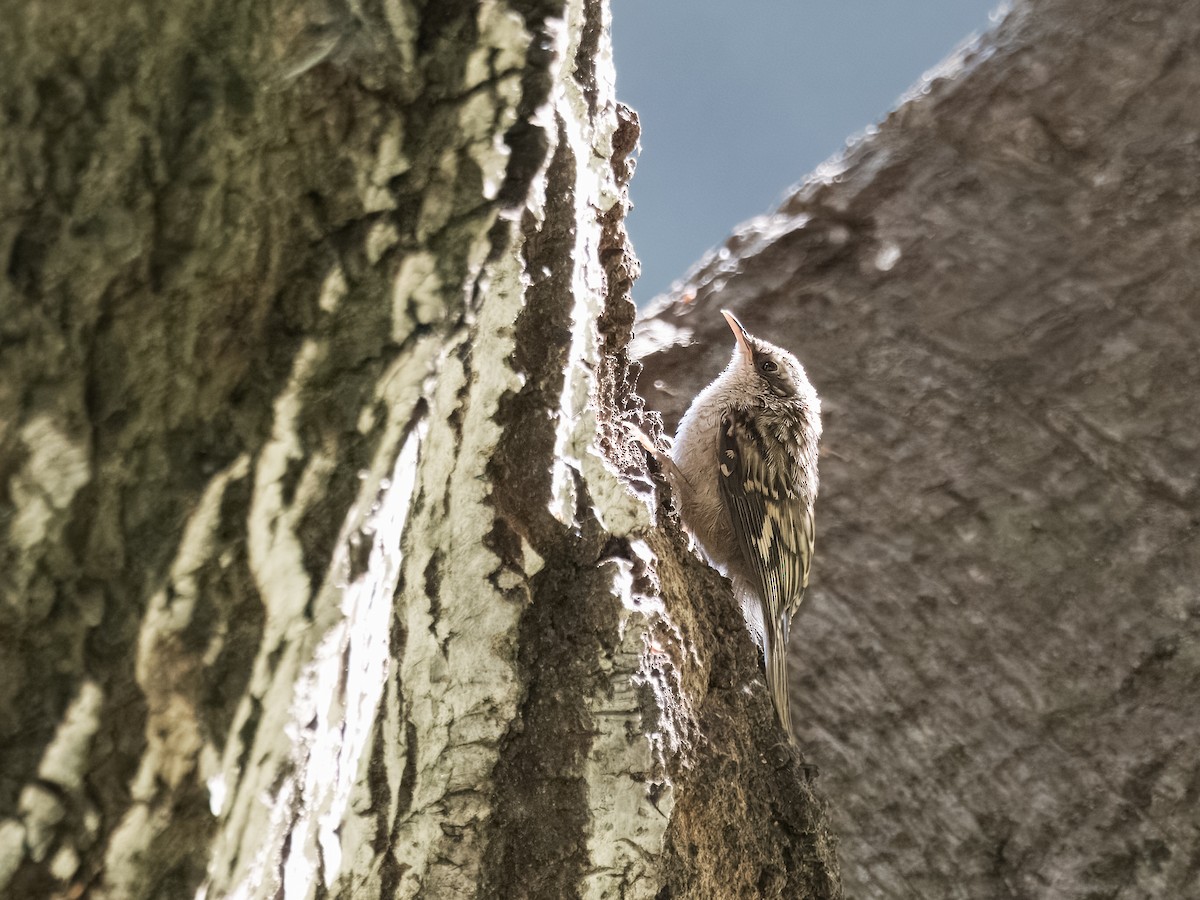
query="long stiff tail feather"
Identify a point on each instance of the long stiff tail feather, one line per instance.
(777, 679)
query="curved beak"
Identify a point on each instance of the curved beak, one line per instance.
(739, 332)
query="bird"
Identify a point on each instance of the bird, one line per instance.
(743, 468)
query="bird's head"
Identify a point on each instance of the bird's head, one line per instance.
(765, 371)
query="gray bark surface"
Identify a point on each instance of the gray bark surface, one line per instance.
(997, 669)
(327, 567)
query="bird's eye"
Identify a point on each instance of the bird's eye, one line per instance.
(767, 366)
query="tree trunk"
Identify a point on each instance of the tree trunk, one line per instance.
(328, 568)
(995, 294)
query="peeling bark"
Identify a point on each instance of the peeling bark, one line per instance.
(995, 294)
(327, 566)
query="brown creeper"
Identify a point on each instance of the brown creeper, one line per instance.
(746, 454)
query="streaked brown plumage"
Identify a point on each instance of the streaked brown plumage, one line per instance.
(745, 460)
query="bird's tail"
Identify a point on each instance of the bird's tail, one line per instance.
(770, 634)
(777, 677)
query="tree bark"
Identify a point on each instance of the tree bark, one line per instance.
(327, 565)
(995, 294)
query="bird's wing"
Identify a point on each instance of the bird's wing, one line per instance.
(774, 526)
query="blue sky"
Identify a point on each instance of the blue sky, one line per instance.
(740, 100)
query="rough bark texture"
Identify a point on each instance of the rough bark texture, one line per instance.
(327, 566)
(998, 666)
